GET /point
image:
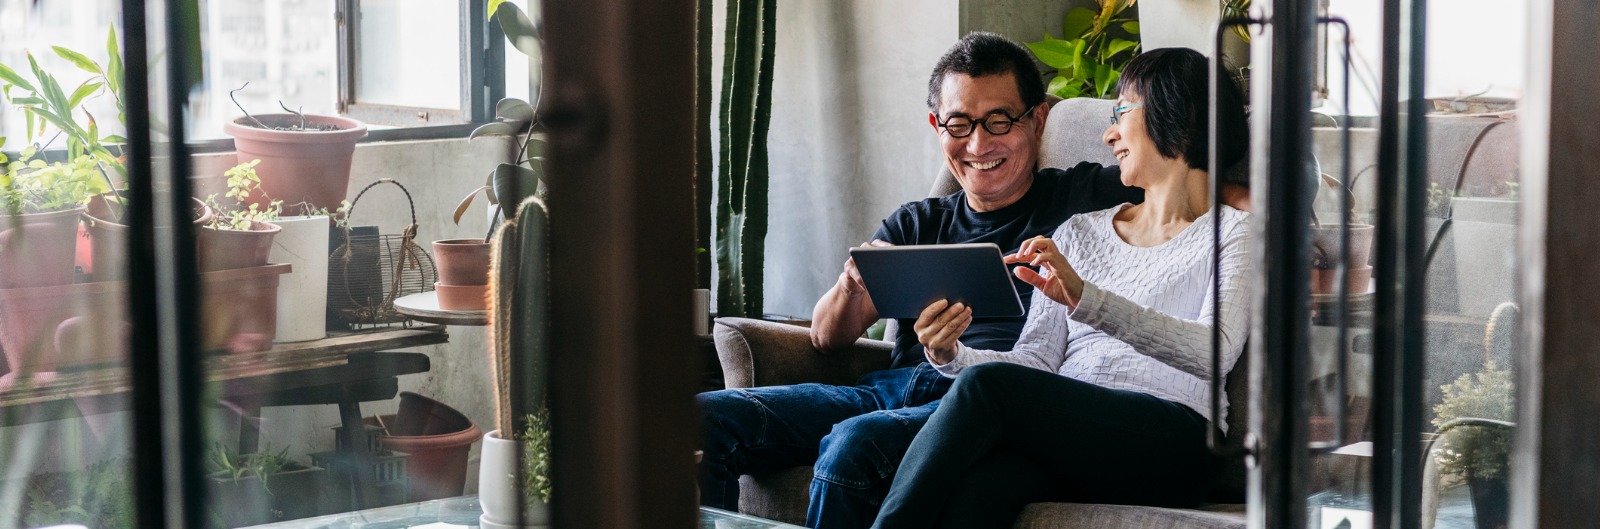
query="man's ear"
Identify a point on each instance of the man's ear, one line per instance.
(933, 121)
(1043, 115)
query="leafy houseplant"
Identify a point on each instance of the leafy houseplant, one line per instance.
(43, 101)
(1474, 433)
(241, 231)
(39, 207)
(1092, 52)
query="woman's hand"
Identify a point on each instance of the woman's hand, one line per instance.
(939, 329)
(1055, 277)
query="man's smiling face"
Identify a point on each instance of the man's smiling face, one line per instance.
(995, 170)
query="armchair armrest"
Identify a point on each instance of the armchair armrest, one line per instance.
(763, 353)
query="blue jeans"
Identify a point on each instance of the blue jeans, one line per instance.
(1008, 435)
(854, 436)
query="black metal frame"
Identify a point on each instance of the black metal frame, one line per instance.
(483, 78)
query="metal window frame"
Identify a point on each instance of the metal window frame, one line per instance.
(482, 73)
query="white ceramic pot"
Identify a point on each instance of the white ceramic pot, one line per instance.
(1485, 251)
(497, 488)
(303, 294)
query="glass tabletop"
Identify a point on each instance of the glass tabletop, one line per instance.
(463, 511)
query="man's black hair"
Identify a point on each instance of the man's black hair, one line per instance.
(979, 54)
(1172, 84)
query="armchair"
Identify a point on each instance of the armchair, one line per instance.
(758, 353)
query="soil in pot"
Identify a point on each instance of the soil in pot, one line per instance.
(231, 249)
(310, 166)
(38, 249)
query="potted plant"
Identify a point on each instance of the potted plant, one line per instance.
(304, 159)
(261, 487)
(464, 263)
(39, 197)
(1326, 237)
(1090, 55)
(1474, 432)
(241, 230)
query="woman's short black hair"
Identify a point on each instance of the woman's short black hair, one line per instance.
(1172, 84)
(979, 54)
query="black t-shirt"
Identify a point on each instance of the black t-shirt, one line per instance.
(1055, 196)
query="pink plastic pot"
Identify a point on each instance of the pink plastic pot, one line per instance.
(38, 249)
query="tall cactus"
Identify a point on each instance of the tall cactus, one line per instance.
(1500, 336)
(742, 173)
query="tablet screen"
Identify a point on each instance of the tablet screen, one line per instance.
(903, 280)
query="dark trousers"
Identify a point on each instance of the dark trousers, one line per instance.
(1008, 435)
(853, 436)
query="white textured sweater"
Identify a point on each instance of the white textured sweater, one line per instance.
(1144, 320)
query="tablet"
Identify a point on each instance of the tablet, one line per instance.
(903, 280)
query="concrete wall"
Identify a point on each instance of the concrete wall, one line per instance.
(850, 140)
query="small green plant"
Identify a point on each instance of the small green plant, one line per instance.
(97, 496)
(30, 185)
(1438, 200)
(1092, 52)
(536, 458)
(224, 462)
(239, 212)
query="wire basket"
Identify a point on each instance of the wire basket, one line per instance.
(369, 270)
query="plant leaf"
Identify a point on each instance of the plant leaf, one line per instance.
(1131, 27)
(1118, 46)
(87, 89)
(498, 128)
(513, 184)
(1058, 86)
(518, 28)
(466, 202)
(1053, 52)
(11, 76)
(513, 109)
(494, 5)
(78, 59)
(1104, 79)
(114, 64)
(1077, 23)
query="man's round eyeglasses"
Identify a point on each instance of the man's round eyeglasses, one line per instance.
(1116, 113)
(998, 123)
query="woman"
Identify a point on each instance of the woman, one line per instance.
(1116, 408)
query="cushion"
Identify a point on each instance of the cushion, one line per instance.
(1073, 515)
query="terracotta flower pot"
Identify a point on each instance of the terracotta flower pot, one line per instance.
(462, 262)
(38, 249)
(1325, 243)
(438, 438)
(1325, 281)
(310, 167)
(230, 249)
(107, 237)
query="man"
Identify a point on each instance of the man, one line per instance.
(987, 107)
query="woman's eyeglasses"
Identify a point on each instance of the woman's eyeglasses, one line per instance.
(1116, 113)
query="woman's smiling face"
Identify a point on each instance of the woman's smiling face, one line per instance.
(1130, 141)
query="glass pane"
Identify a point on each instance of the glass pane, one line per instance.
(64, 439)
(1472, 315)
(410, 53)
(287, 51)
